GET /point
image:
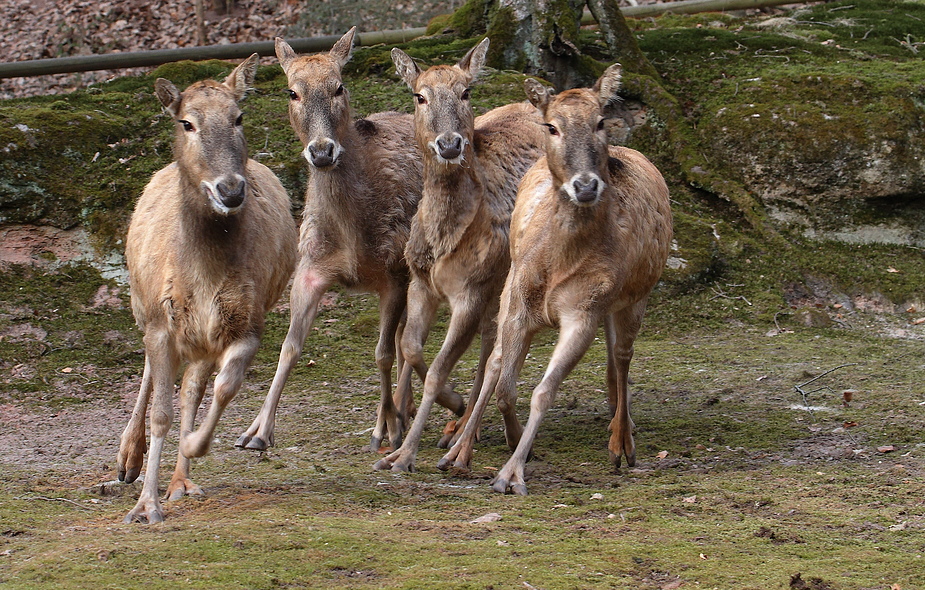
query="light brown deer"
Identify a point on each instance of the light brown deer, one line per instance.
(363, 189)
(458, 249)
(590, 235)
(210, 248)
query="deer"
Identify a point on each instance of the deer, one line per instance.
(210, 248)
(458, 248)
(364, 187)
(590, 235)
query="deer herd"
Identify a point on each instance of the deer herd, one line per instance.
(520, 218)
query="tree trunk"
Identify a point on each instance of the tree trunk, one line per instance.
(541, 37)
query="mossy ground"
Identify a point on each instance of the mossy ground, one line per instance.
(741, 481)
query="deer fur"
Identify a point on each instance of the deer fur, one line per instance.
(210, 249)
(363, 189)
(590, 235)
(458, 249)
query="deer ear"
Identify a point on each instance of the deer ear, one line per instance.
(344, 47)
(284, 53)
(608, 85)
(537, 94)
(472, 62)
(242, 76)
(168, 94)
(407, 69)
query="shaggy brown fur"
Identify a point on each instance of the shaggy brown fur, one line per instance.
(363, 189)
(458, 249)
(210, 249)
(590, 236)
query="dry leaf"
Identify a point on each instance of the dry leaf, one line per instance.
(886, 448)
(891, 269)
(67, 370)
(674, 585)
(597, 496)
(918, 321)
(490, 517)
(689, 499)
(662, 454)
(850, 424)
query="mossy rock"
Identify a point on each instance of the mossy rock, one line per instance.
(819, 116)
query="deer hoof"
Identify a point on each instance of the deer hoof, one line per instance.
(242, 441)
(256, 444)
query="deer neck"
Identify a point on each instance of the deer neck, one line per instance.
(451, 198)
(209, 241)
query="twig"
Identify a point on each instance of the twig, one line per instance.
(805, 393)
(720, 293)
(81, 506)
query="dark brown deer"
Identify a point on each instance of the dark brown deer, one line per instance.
(458, 249)
(210, 248)
(590, 235)
(363, 189)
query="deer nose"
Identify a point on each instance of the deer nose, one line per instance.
(586, 189)
(450, 147)
(321, 154)
(231, 191)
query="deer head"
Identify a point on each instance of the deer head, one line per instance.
(209, 145)
(576, 145)
(319, 104)
(443, 118)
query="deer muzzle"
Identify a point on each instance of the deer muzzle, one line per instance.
(322, 153)
(585, 189)
(226, 193)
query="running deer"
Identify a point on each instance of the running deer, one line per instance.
(363, 189)
(210, 248)
(590, 235)
(458, 249)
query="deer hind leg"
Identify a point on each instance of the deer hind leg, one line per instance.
(388, 420)
(233, 364)
(575, 337)
(621, 329)
(191, 393)
(161, 362)
(132, 445)
(307, 289)
(489, 331)
(464, 321)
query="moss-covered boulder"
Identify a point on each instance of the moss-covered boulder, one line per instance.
(819, 115)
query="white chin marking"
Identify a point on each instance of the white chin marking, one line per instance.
(216, 202)
(455, 161)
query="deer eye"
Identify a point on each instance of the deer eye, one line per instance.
(187, 126)
(239, 120)
(339, 91)
(465, 94)
(600, 125)
(552, 129)
(292, 94)
(420, 98)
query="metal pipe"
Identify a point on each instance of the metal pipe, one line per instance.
(136, 59)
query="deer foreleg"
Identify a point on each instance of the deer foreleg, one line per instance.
(308, 287)
(464, 322)
(575, 337)
(162, 362)
(233, 365)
